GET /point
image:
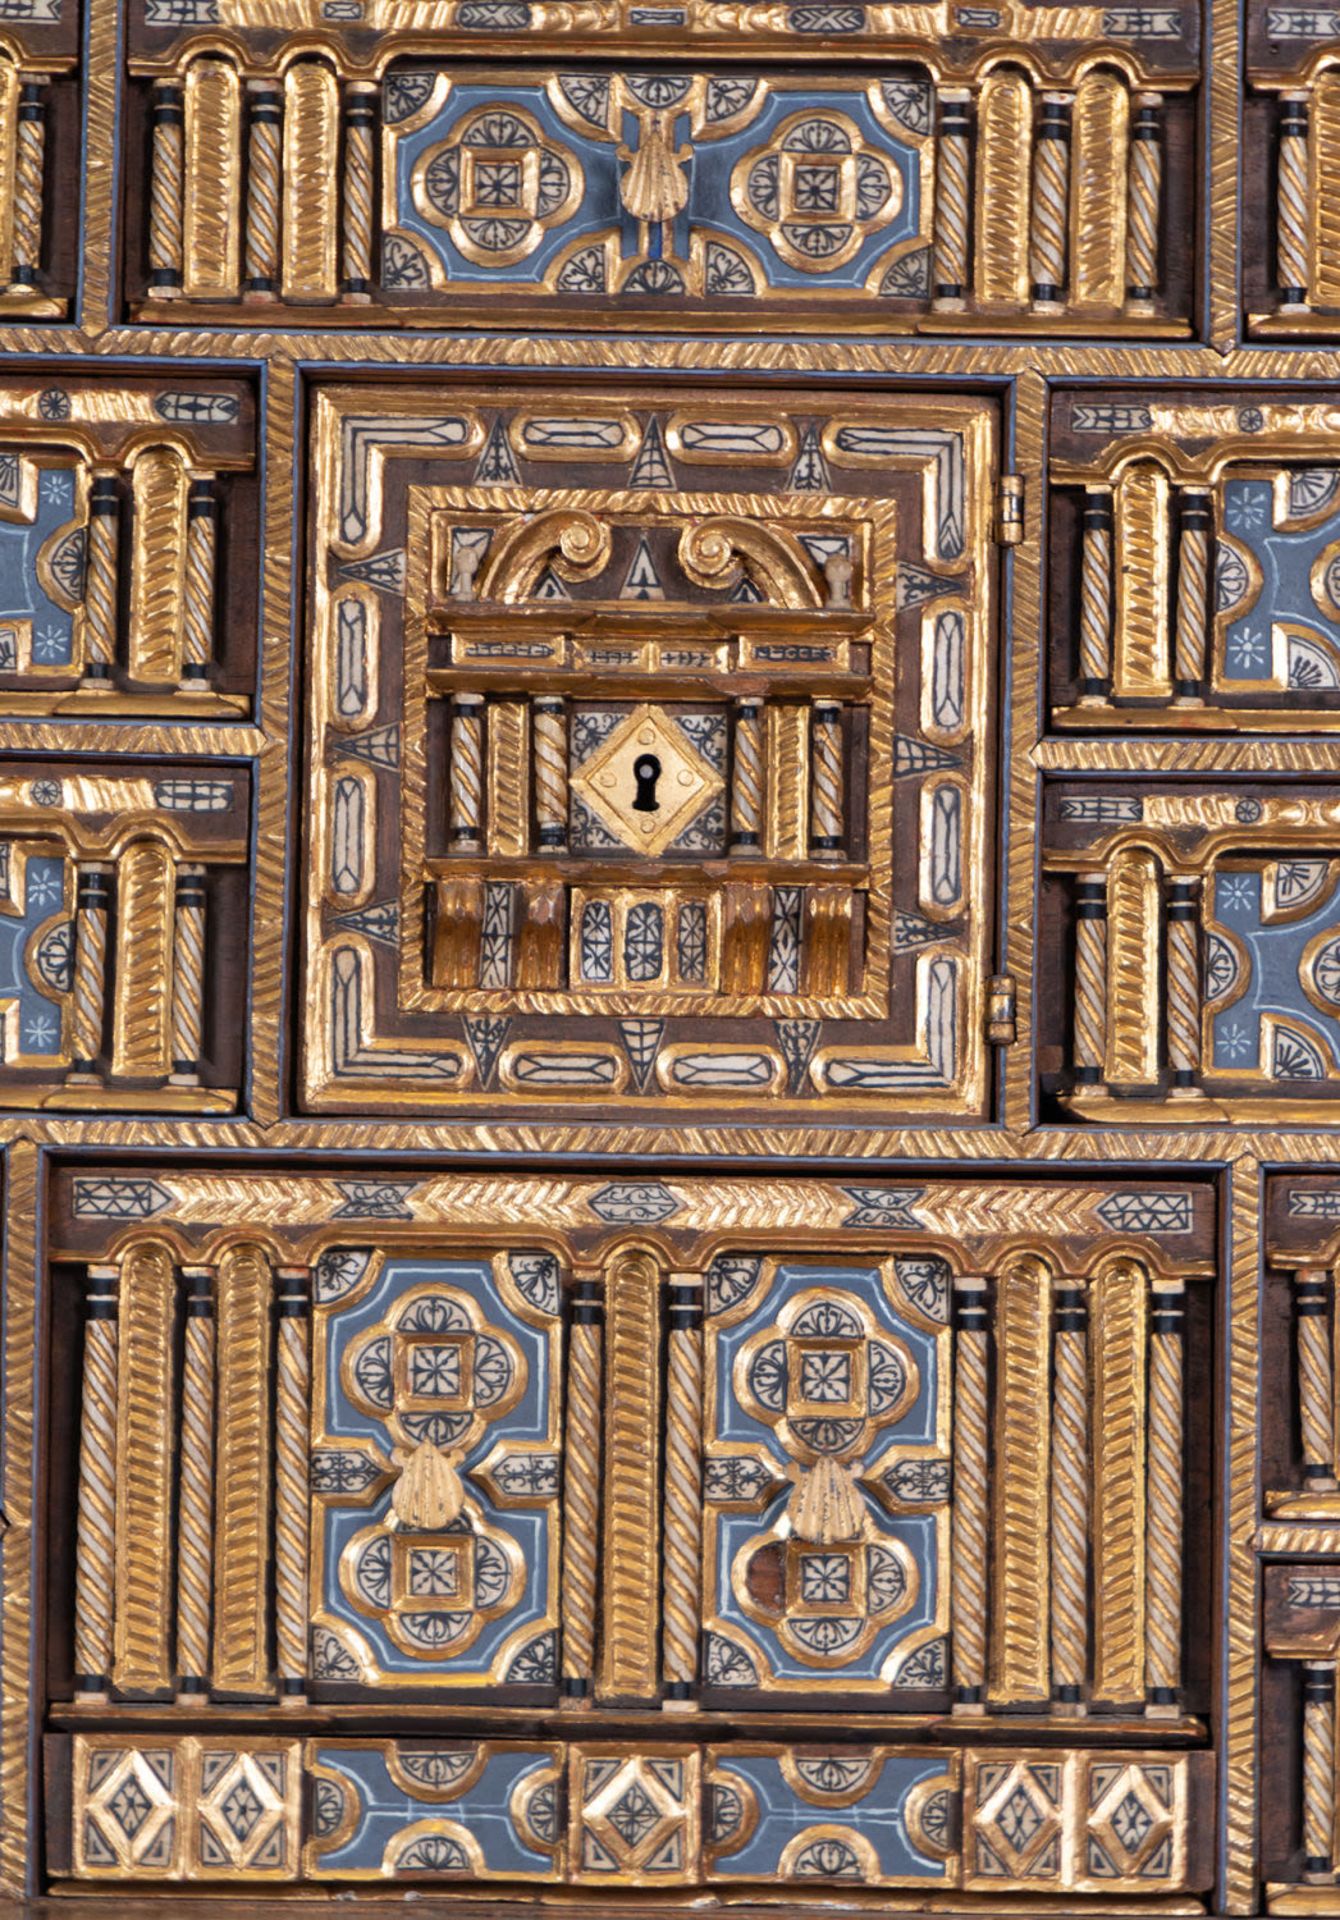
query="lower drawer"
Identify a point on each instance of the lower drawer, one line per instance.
(606, 1813)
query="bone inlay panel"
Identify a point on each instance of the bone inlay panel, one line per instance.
(620, 713)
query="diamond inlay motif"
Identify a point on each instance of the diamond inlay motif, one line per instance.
(646, 782)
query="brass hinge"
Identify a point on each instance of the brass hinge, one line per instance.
(1000, 1010)
(1010, 509)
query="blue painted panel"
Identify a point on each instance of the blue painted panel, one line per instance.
(386, 1809)
(880, 1816)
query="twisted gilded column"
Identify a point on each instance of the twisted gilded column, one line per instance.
(1316, 1377)
(1051, 186)
(93, 900)
(746, 789)
(95, 1530)
(1319, 1770)
(681, 1586)
(1070, 1499)
(466, 797)
(971, 1510)
(581, 1485)
(950, 237)
(29, 168)
(549, 750)
(360, 132)
(1293, 205)
(1193, 597)
(1144, 204)
(826, 796)
(167, 122)
(188, 974)
(292, 1509)
(100, 580)
(265, 118)
(1165, 1499)
(1095, 598)
(1183, 987)
(1090, 1035)
(202, 510)
(195, 1485)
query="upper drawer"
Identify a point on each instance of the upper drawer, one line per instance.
(1005, 180)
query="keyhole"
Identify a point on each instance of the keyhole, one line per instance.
(646, 771)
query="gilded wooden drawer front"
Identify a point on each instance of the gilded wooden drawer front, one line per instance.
(618, 1455)
(608, 1816)
(117, 503)
(111, 882)
(1202, 929)
(1020, 167)
(1195, 542)
(605, 800)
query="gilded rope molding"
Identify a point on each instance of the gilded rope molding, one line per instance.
(360, 133)
(682, 1543)
(1319, 1771)
(142, 1649)
(165, 191)
(1070, 1497)
(1021, 1576)
(581, 1485)
(630, 1599)
(1163, 1551)
(746, 799)
(1312, 1290)
(971, 1516)
(1119, 1512)
(292, 1504)
(95, 1538)
(265, 118)
(242, 1503)
(29, 178)
(195, 1484)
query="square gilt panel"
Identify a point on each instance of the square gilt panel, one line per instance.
(623, 716)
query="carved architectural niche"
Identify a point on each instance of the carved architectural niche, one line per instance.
(619, 712)
(1291, 136)
(118, 500)
(1030, 167)
(577, 1445)
(39, 158)
(123, 895)
(1196, 929)
(1195, 556)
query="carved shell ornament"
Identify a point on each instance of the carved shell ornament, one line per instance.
(654, 188)
(826, 1508)
(428, 1495)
